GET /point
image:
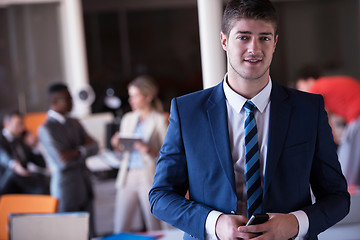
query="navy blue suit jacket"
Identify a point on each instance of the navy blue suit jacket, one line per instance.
(196, 156)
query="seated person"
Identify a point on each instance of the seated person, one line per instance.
(16, 156)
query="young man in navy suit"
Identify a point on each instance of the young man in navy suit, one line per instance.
(204, 149)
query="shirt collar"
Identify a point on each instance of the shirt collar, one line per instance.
(237, 101)
(57, 116)
(8, 135)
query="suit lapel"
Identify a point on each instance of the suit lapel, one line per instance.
(128, 127)
(6, 145)
(217, 115)
(279, 121)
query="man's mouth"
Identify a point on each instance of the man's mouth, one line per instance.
(253, 60)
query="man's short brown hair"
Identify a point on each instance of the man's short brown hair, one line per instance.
(248, 9)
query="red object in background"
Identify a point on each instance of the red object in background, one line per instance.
(353, 189)
(341, 95)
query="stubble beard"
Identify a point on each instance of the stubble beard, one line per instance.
(247, 77)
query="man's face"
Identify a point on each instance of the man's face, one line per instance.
(15, 126)
(62, 102)
(250, 46)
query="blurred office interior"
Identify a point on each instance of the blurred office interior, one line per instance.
(104, 44)
(96, 47)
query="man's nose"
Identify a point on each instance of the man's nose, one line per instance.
(254, 46)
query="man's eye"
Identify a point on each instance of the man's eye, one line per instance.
(242, 37)
(265, 38)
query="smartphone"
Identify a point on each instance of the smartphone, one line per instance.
(257, 219)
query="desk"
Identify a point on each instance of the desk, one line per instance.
(103, 161)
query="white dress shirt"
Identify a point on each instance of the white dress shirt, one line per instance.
(236, 121)
(57, 116)
(8, 135)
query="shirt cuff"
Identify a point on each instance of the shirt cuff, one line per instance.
(303, 221)
(11, 164)
(210, 225)
(82, 151)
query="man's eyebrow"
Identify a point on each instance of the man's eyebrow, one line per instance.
(262, 33)
(244, 32)
(266, 33)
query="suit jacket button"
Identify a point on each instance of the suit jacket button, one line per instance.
(232, 212)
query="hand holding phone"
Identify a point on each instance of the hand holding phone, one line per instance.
(257, 219)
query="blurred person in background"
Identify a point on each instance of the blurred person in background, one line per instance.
(306, 77)
(22, 165)
(342, 102)
(67, 145)
(147, 122)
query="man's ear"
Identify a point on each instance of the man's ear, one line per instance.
(224, 40)
(53, 100)
(275, 42)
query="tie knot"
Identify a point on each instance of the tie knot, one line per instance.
(249, 106)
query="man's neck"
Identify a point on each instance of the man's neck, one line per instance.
(248, 88)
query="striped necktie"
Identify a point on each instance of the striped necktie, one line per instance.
(252, 168)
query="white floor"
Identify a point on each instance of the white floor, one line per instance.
(104, 206)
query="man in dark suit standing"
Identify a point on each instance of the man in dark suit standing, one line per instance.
(67, 145)
(249, 145)
(16, 156)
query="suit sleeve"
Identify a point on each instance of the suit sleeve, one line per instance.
(36, 158)
(89, 148)
(167, 196)
(4, 158)
(51, 147)
(327, 181)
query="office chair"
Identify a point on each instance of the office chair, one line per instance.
(33, 121)
(23, 203)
